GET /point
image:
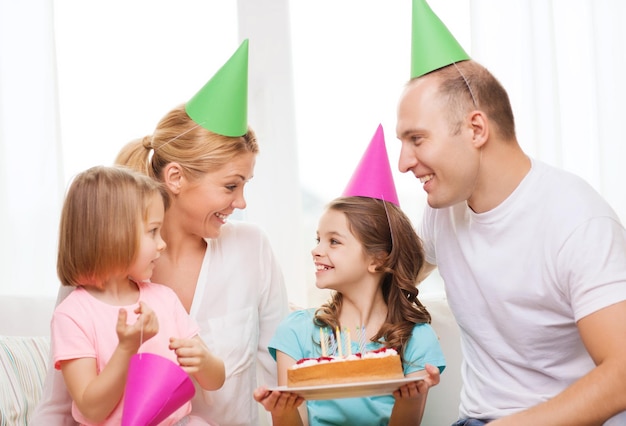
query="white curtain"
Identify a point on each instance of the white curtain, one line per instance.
(323, 75)
(563, 62)
(31, 171)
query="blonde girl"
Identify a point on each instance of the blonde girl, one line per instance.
(108, 243)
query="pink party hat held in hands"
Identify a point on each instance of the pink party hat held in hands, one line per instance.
(155, 388)
(372, 177)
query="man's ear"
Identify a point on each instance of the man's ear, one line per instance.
(479, 124)
(173, 177)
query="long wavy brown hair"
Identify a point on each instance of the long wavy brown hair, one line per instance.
(386, 233)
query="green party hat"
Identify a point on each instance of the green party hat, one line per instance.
(432, 44)
(221, 106)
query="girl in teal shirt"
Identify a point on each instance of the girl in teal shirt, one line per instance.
(369, 254)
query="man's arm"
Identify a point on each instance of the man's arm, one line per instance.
(598, 395)
(425, 271)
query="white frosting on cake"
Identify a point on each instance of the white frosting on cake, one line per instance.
(380, 353)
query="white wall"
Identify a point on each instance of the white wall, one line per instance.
(122, 65)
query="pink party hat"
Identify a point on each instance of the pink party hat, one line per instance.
(372, 177)
(155, 388)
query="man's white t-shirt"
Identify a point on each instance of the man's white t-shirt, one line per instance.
(518, 278)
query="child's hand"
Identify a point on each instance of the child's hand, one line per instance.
(131, 336)
(413, 390)
(419, 388)
(195, 358)
(276, 402)
(433, 375)
(192, 354)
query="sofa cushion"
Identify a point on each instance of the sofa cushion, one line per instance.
(442, 404)
(23, 364)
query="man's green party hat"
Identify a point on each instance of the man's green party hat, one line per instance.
(432, 44)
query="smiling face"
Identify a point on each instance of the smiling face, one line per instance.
(150, 242)
(340, 262)
(202, 206)
(446, 161)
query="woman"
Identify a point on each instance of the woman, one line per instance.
(224, 273)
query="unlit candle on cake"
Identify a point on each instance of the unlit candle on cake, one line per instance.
(323, 342)
(339, 350)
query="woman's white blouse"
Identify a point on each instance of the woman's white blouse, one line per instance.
(240, 299)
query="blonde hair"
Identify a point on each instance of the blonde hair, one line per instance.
(177, 138)
(101, 222)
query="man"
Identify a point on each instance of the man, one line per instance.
(533, 259)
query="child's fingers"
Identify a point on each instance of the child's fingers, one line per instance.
(261, 393)
(139, 309)
(434, 376)
(181, 343)
(147, 320)
(122, 316)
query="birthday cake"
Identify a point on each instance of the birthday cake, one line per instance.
(382, 364)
